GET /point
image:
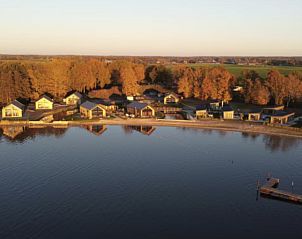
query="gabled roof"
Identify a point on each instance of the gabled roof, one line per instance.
(173, 94)
(137, 105)
(209, 102)
(78, 94)
(45, 97)
(18, 104)
(88, 105)
(227, 108)
(104, 102)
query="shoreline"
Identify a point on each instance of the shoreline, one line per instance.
(232, 126)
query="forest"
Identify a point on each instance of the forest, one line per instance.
(28, 79)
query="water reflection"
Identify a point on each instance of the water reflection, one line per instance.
(279, 143)
(274, 143)
(251, 136)
(145, 130)
(20, 134)
(95, 129)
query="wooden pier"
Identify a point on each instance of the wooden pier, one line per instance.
(270, 190)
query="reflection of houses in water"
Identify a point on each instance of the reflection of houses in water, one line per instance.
(21, 134)
(96, 129)
(146, 130)
(12, 131)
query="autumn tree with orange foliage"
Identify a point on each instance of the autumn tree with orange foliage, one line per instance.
(276, 82)
(185, 78)
(217, 84)
(57, 76)
(128, 78)
(256, 92)
(204, 83)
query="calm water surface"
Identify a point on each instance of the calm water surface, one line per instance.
(134, 182)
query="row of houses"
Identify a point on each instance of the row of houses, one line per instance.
(139, 106)
(273, 114)
(89, 109)
(212, 108)
(16, 109)
(148, 106)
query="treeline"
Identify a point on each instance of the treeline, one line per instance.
(276, 88)
(31, 78)
(217, 83)
(274, 61)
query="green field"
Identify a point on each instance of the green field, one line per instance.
(262, 70)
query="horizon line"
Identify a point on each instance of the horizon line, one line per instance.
(117, 55)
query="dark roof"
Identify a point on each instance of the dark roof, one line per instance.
(253, 111)
(273, 107)
(282, 114)
(78, 94)
(137, 105)
(208, 102)
(103, 102)
(227, 108)
(201, 107)
(18, 104)
(213, 101)
(88, 105)
(46, 97)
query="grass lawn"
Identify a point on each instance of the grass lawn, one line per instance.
(262, 70)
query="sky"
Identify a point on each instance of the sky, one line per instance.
(152, 27)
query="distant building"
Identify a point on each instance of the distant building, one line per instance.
(148, 99)
(171, 98)
(130, 98)
(90, 110)
(277, 115)
(214, 104)
(227, 112)
(281, 117)
(254, 116)
(13, 110)
(108, 105)
(201, 112)
(44, 103)
(141, 110)
(238, 89)
(73, 99)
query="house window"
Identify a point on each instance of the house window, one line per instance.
(15, 113)
(8, 113)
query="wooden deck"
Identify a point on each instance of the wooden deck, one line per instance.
(270, 190)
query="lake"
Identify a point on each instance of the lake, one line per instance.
(145, 182)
